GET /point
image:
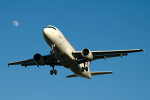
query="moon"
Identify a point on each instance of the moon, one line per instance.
(15, 23)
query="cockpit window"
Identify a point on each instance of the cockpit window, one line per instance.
(50, 27)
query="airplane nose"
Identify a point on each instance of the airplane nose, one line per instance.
(45, 31)
(48, 35)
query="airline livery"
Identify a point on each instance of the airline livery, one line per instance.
(63, 54)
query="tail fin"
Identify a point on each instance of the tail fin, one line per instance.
(100, 73)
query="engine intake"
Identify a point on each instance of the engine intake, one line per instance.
(87, 54)
(39, 59)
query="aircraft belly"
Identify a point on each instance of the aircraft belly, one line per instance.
(66, 60)
(64, 54)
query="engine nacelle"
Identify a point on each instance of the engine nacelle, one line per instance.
(87, 54)
(39, 59)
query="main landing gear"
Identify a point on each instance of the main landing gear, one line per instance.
(84, 68)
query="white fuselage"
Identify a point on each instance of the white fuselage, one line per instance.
(63, 51)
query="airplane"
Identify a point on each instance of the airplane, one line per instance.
(63, 54)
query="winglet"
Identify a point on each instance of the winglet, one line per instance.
(142, 50)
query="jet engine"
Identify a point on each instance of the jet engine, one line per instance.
(39, 59)
(87, 54)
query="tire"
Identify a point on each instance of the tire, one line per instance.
(55, 72)
(86, 68)
(82, 69)
(51, 72)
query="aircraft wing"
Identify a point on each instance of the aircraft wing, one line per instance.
(49, 59)
(105, 54)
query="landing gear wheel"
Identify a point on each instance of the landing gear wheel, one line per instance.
(55, 72)
(86, 68)
(82, 69)
(51, 72)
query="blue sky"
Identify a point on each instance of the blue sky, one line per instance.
(97, 25)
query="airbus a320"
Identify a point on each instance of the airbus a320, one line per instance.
(63, 54)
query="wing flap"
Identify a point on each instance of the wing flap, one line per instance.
(108, 56)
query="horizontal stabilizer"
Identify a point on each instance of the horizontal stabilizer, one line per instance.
(100, 73)
(74, 75)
